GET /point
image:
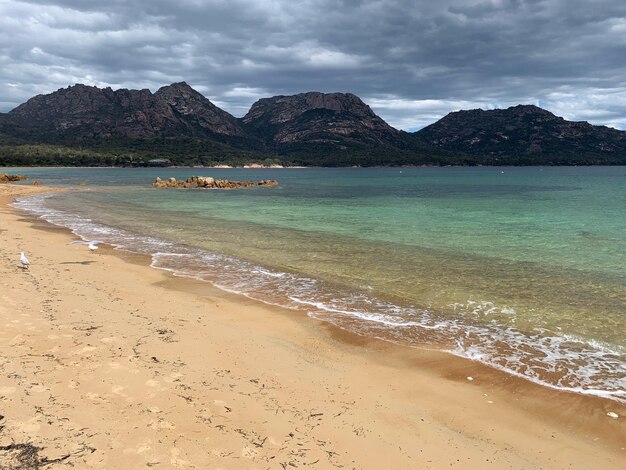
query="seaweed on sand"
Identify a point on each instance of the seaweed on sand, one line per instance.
(24, 456)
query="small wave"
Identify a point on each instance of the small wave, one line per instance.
(268, 273)
(595, 344)
(482, 308)
(553, 360)
(616, 388)
(558, 361)
(379, 313)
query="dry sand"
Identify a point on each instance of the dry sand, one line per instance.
(107, 363)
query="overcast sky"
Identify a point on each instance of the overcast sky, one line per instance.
(411, 61)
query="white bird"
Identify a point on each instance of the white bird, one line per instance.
(92, 245)
(24, 260)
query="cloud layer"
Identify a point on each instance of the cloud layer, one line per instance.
(411, 61)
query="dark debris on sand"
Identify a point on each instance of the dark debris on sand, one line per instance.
(24, 456)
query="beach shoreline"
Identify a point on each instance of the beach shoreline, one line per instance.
(184, 375)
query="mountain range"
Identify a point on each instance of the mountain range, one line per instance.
(87, 125)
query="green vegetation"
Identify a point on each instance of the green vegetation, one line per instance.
(54, 155)
(158, 152)
(187, 152)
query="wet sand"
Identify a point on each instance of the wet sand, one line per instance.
(108, 363)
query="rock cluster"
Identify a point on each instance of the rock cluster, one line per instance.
(8, 178)
(207, 182)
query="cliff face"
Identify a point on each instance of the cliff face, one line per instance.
(197, 111)
(83, 112)
(339, 119)
(523, 130)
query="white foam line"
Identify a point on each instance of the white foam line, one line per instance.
(595, 344)
(361, 315)
(249, 296)
(163, 254)
(268, 273)
(618, 395)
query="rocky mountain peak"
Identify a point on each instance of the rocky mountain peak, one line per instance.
(180, 86)
(285, 108)
(90, 112)
(193, 106)
(522, 130)
(519, 110)
(179, 90)
(529, 108)
(336, 119)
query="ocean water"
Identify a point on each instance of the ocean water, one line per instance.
(522, 269)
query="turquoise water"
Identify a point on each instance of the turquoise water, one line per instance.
(519, 268)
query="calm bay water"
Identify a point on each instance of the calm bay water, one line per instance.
(523, 269)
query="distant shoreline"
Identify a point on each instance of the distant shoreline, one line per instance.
(225, 167)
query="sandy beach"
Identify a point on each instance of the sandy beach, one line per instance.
(108, 363)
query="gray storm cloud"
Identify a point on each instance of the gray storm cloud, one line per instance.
(412, 61)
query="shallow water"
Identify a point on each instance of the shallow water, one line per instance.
(519, 268)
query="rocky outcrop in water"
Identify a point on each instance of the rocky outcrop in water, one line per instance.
(207, 182)
(9, 178)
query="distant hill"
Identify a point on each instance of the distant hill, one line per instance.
(83, 113)
(332, 129)
(525, 134)
(339, 119)
(86, 125)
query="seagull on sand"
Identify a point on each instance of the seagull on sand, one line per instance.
(24, 260)
(92, 245)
